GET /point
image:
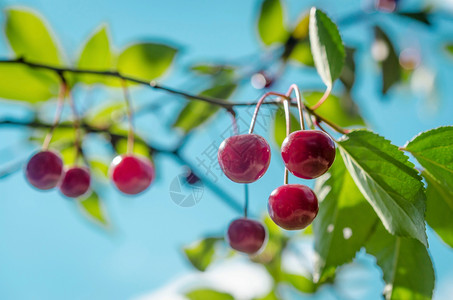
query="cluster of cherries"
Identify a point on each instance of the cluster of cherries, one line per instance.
(130, 174)
(245, 158)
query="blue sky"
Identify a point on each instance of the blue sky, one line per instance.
(49, 251)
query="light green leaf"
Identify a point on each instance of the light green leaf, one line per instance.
(96, 55)
(41, 85)
(388, 181)
(433, 149)
(201, 253)
(345, 219)
(326, 46)
(271, 296)
(99, 167)
(405, 262)
(439, 208)
(391, 70)
(196, 113)
(279, 126)
(302, 54)
(335, 109)
(146, 60)
(107, 115)
(30, 37)
(139, 147)
(300, 283)
(204, 294)
(271, 26)
(92, 208)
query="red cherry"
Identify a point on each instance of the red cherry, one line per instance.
(293, 206)
(244, 158)
(75, 183)
(44, 170)
(131, 174)
(246, 235)
(308, 153)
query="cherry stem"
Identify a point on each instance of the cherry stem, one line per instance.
(234, 122)
(288, 131)
(77, 129)
(130, 114)
(246, 205)
(258, 105)
(300, 105)
(59, 110)
(323, 98)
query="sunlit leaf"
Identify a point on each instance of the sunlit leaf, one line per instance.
(99, 167)
(146, 60)
(96, 55)
(300, 283)
(92, 208)
(335, 109)
(326, 46)
(196, 113)
(391, 70)
(271, 26)
(279, 126)
(204, 294)
(406, 266)
(40, 85)
(201, 253)
(30, 37)
(388, 181)
(345, 219)
(107, 115)
(302, 54)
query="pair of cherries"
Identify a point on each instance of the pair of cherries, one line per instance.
(245, 158)
(130, 174)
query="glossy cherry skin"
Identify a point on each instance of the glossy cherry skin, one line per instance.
(44, 170)
(246, 235)
(244, 158)
(308, 153)
(75, 182)
(293, 206)
(131, 174)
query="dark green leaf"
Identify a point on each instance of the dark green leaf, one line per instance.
(433, 149)
(405, 262)
(196, 113)
(326, 46)
(421, 16)
(92, 208)
(279, 126)
(335, 109)
(41, 85)
(205, 294)
(347, 76)
(29, 37)
(96, 55)
(345, 219)
(146, 60)
(449, 48)
(391, 70)
(388, 181)
(439, 208)
(271, 26)
(300, 283)
(201, 253)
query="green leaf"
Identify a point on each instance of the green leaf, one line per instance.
(421, 16)
(388, 181)
(405, 263)
(300, 283)
(40, 85)
(196, 113)
(92, 208)
(335, 109)
(204, 294)
(98, 166)
(271, 296)
(279, 125)
(107, 115)
(302, 54)
(271, 26)
(449, 48)
(201, 253)
(347, 75)
(30, 37)
(345, 219)
(96, 55)
(146, 60)
(326, 46)
(439, 208)
(433, 149)
(391, 70)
